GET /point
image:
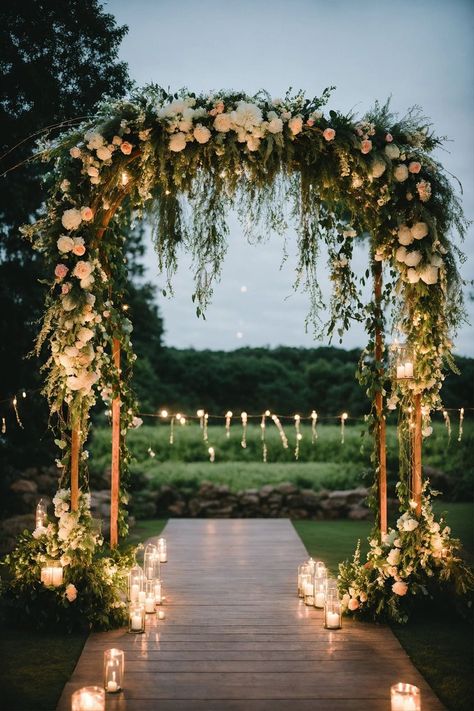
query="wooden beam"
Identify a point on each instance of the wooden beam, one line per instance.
(75, 447)
(380, 434)
(115, 473)
(416, 482)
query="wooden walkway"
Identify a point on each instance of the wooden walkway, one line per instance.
(237, 638)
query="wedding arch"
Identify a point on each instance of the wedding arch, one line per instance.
(187, 159)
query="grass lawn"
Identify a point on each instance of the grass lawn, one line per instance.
(439, 642)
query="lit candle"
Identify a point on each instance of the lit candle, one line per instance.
(158, 592)
(57, 576)
(134, 590)
(136, 621)
(141, 597)
(332, 620)
(400, 372)
(161, 614)
(319, 599)
(408, 369)
(405, 697)
(150, 605)
(89, 698)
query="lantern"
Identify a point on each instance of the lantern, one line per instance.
(320, 579)
(114, 663)
(162, 550)
(158, 591)
(135, 583)
(303, 570)
(403, 361)
(152, 562)
(149, 596)
(41, 514)
(89, 698)
(332, 613)
(405, 697)
(52, 573)
(136, 618)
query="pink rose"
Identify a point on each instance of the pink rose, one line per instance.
(60, 271)
(329, 134)
(126, 148)
(353, 604)
(414, 167)
(400, 588)
(65, 288)
(78, 250)
(389, 138)
(366, 146)
(310, 122)
(86, 213)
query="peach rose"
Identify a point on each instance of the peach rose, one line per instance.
(79, 250)
(400, 588)
(366, 146)
(65, 288)
(86, 213)
(414, 167)
(126, 148)
(310, 122)
(353, 604)
(82, 270)
(60, 271)
(71, 592)
(75, 152)
(329, 134)
(220, 107)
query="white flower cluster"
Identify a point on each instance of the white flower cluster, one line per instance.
(412, 263)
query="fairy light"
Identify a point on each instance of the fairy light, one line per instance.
(200, 414)
(17, 414)
(244, 418)
(314, 422)
(228, 419)
(263, 426)
(151, 453)
(299, 436)
(204, 429)
(172, 430)
(212, 454)
(182, 420)
(281, 431)
(167, 192)
(125, 178)
(344, 417)
(164, 414)
(4, 425)
(461, 420)
(447, 422)
(23, 394)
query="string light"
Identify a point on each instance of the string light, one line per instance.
(314, 422)
(17, 414)
(344, 417)
(164, 414)
(447, 422)
(204, 429)
(244, 418)
(461, 420)
(212, 454)
(172, 430)
(200, 414)
(263, 428)
(4, 425)
(299, 436)
(151, 453)
(228, 418)
(281, 431)
(23, 394)
(181, 420)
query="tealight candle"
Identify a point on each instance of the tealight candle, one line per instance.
(161, 614)
(89, 698)
(408, 369)
(405, 697)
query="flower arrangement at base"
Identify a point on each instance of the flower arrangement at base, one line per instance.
(416, 561)
(91, 591)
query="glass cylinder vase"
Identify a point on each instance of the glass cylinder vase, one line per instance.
(150, 597)
(114, 667)
(158, 590)
(320, 579)
(405, 697)
(136, 618)
(41, 518)
(135, 583)
(162, 550)
(52, 573)
(332, 613)
(152, 562)
(303, 571)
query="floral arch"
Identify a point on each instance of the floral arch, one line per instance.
(186, 159)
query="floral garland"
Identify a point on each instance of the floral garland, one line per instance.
(337, 178)
(404, 568)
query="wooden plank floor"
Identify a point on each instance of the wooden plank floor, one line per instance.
(237, 638)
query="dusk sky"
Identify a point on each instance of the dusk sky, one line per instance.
(417, 51)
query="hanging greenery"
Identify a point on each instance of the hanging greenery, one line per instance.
(185, 160)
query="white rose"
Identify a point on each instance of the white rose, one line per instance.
(392, 151)
(85, 334)
(378, 168)
(400, 588)
(401, 172)
(295, 125)
(405, 236)
(275, 125)
(429, 274)
(410, 524)
(419, 230)
(247, 115)
(201, 133)
(413, 259)
(393, 557)
(83, 381)
(223, 123)
(82, 270)
(413, 276)
(177, 142)
(94, 140)
(104, 153)
(65, 244)
(71, 219)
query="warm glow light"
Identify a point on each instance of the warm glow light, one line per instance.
(200, 413)
(125, 177)
(164, 413)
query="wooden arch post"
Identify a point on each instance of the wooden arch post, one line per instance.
(380, 435)
(75, 452)
(416, 470)
(115, 469)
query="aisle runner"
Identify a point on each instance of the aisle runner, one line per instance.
(236, 637)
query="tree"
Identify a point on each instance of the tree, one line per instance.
(57, 59)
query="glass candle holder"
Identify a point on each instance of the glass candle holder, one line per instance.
(320, 578)
(303, 570)
(52, 574)
(136, 618)
(158, 591)
(403, 361)
(332, 590)
(135, 583)
(405, 697)
(41, 518)
(308, 590)
(332, 614)
(151, 562)
(150, 597)
(89, 698)
(162, 550)
(114, 666)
